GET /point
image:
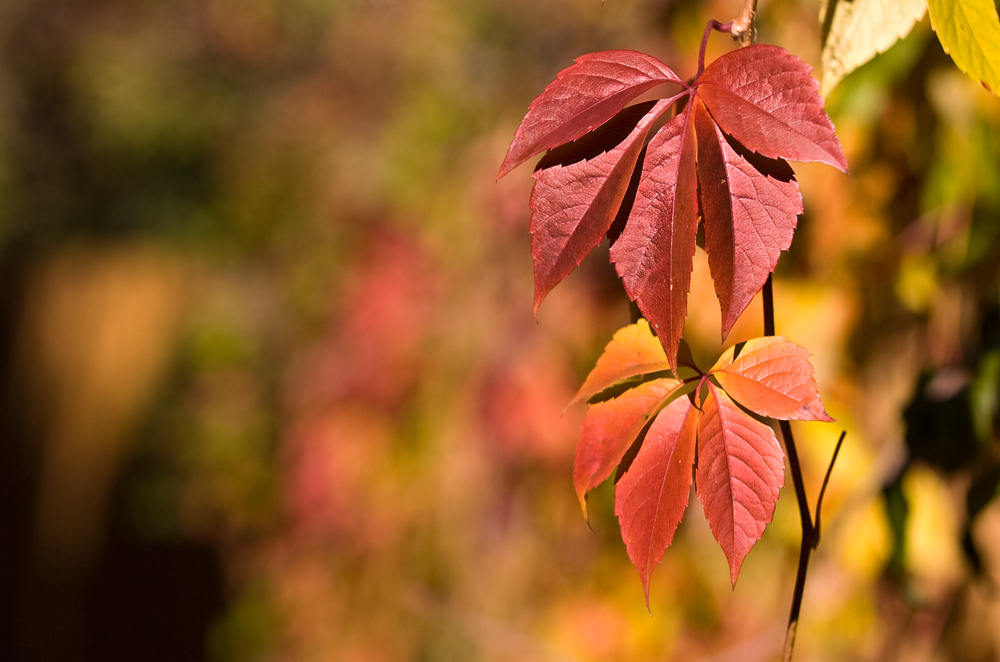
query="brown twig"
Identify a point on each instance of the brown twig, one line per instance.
(742, 28)
(810, 530)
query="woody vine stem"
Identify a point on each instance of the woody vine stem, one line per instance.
(810, 528)
(743, 31)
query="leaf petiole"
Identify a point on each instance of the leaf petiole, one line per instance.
(712, 25)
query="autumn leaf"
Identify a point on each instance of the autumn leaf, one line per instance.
(633, 350)
(721, 154)
(582, 97)
(610, 427)
(750, 206)
(740, 470)
(855, 31)
(969, 31)
(772, 377)
(767, 99)
(740, 467)
(654, 254)
(575, 200)
(650, 499)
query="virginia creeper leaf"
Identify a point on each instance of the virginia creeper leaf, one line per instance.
(650, 499)
(722, 153)
(573, 205)
(855, 31)
(969, 31)
(654, 254)
(633, 350)
(750, 212)
(584, 96)
(610, 427)
(740, 470)
(767, 99)
(772, 377)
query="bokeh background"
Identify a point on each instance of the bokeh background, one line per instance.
(272, 389)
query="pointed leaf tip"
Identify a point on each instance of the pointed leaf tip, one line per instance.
(582, 97)
(740, 471)
(650, 499)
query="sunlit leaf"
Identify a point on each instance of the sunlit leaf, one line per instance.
(610, 427)
(633, 350)
(772, 377)
(652, 496)
(969, 31)
(740, 470)
(858, 30)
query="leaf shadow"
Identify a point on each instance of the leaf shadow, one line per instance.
(602, 139)
(774, 168)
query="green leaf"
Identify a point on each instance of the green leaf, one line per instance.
(969, 31)
(856, 31)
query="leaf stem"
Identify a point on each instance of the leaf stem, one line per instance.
(712, 25)
(810, 531)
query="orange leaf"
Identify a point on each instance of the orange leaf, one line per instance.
(633, 350)
(610, 427)
(772, 377)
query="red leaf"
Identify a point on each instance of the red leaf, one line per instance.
(654, 254)
(750, 211)
(633, 350)
(650, 499)
(610, 427)
(772, 377)
(584, 96)
(767, 99)
(573, 205)
(745, 112)
(740, 470)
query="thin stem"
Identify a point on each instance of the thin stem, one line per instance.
(768, 293)
(810, 532)
(712, 25)
(826, 480)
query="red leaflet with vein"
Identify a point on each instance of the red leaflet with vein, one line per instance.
(740, 465)
(740, 470)
(750, 109)
(750, 205)
(650, 499)
(772, 377)
(574, 203)
(767, 99)
(610, 427)
(582, 97)
(655, 252)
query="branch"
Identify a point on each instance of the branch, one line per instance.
(810, 530)
(742, 28)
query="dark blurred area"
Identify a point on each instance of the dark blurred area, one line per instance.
(271, 389)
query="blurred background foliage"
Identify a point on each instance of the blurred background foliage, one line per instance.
(272, 389)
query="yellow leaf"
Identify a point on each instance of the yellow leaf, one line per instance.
(856, 31)
(969, 31)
